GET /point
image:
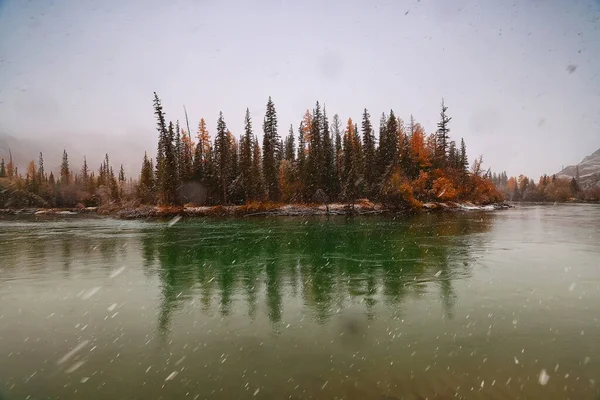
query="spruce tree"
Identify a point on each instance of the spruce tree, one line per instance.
(258, 180)
(443, 132)
(381, 147)
(388, 145)
(351, 163)
(161, 127)
(65, 173)
(315, 164)
(289, 146)
(84, 171)
(41, 175)
(269, 152)
(336, 128)
(145, 187)
(302, 164)
(168, 177)
(222, 158)
(328, 176)
(121, 174)
(201, 153)
(246, 158)
(368, 140)
(2, 169)
(178, 153)
(186, 157)
(464, 161)
(453, 156)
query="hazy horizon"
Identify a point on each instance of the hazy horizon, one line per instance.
(522, 82)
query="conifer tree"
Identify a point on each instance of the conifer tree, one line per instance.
(388, 145)
(84, 171)
(222, 158)
(336, 128)
(351, 161)
(443, 132)
(41, 174)
(328, 177)
(161, 127)
(186, 158)
(269, 152)
(145, 189)
(464, 162)
(65, 173)
(315, 164)
(289, 146)
(246, 158)
(368, 139)
(178, 152)
(201, 153)
(2, 169)
(258, 189)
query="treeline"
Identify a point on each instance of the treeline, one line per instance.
(547, 188)
(83, 188)
(319, 162)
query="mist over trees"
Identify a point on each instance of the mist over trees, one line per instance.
(316, 162)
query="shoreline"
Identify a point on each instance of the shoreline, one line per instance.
(251, 210)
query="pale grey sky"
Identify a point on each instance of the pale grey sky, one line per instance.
(78, 68)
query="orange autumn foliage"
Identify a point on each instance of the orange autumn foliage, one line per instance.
(397, 193)
(443, 189)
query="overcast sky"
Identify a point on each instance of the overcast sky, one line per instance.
(522, 81)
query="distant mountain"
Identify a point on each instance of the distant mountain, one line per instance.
(589, 171)
(120, 151)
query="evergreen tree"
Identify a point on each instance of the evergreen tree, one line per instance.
(2, 169)
(464, 161)
(222, 159)
(453, 156)
(442, 137)
(201, 153)
(167, 176)
(388, 144)
(187, 158)
(289, 146)
(65, 173)
(328, 176)
(10, 167)
(351, 163)
(161, 127)
(258, 181)
(112, 185)
(84, 171)
(269, 152)
(145, 187)
(336, 127)
(246, 158)
(121, 175)
(368, 138)
(41, 175)
(233, 168)
(315, 164)
(574, 186)
(178, 153)
(302, 164)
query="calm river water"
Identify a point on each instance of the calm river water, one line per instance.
(500, 305)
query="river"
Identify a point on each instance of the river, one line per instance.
(500, 305)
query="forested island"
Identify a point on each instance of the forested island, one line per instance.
(317, 163)
(549, 188)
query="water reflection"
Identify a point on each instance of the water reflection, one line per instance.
(328, 265)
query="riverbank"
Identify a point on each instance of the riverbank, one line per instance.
(250, 210)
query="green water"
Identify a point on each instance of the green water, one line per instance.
(465, 305)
